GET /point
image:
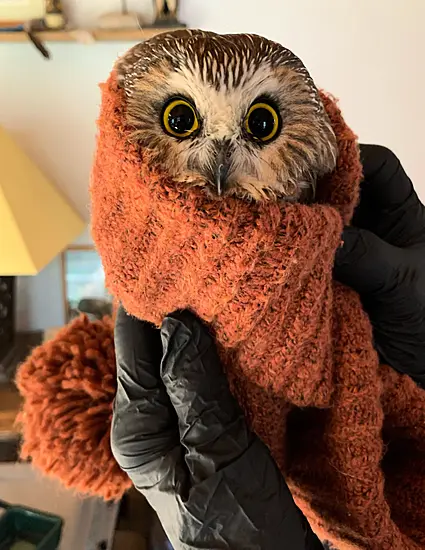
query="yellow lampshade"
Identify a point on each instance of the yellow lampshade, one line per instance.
(36, 222)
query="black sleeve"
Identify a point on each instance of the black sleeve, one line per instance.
(383, 259)
(389, 205)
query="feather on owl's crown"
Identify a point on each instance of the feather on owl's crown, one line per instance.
(223, 59)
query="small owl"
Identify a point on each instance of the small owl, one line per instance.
(235, 114)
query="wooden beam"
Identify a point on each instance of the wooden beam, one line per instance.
(87, 35)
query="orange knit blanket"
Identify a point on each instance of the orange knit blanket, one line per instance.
(348, 434)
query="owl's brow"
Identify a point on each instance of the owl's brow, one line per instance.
(219, 57)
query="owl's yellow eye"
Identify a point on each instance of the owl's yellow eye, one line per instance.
(262, 122)
(179, 118)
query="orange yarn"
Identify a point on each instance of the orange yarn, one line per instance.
(348, 434)
(68, 386)
(297, 346)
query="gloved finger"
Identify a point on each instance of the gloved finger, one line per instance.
(366, 263)
(144, 426)
(212, 426)
(389, 205)
(386, 181)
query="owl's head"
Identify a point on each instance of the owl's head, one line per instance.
(235, 114)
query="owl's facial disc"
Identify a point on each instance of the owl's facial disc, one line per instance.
(237, 115)
(261, 124)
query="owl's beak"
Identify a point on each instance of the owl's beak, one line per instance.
(220, 178)
(222, 166)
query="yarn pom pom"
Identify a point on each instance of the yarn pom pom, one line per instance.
(68, 386)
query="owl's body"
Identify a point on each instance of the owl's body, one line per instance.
(235, 114)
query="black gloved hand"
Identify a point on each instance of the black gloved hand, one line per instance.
(181, 437)
(383, 259)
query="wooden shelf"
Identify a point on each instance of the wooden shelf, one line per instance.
(87, 36)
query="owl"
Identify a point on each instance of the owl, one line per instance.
(237, 115)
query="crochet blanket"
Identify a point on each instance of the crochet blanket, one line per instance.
(348, 434)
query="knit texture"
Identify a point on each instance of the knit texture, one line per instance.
(348, 434)
(297, 346)
(68, 386)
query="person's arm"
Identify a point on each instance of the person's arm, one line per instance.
(383, 259)
(183, 440)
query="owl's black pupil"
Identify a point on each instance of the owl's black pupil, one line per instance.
(181, 119)
(261, 123)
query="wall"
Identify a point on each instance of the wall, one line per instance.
(369, 54)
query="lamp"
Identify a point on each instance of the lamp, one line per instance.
(36, 224)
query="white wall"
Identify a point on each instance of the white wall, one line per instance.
(369, 53)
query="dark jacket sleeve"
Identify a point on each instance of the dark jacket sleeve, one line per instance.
(212, 482)
(383, 259)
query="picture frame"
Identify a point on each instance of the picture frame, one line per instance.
(83, 283)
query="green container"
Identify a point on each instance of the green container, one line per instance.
(23, 528)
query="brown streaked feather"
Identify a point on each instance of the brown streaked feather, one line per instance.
(223, 75)
(217, 56)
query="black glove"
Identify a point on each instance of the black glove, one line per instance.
(383, 259)
(181, 437)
